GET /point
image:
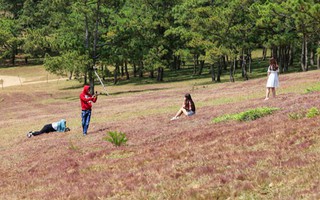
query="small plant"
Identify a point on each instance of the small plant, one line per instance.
(248, 115)
(296, 116)
(73, 146)
(315, 88)
(116, 138)
(312, 112)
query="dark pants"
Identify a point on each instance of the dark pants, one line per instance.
(46, 129)
(85, 115)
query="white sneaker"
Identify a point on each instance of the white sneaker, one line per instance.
(29, 135)
(174, 118)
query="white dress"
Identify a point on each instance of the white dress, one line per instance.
(273, 79)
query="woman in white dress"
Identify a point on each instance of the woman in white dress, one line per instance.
(273, 78)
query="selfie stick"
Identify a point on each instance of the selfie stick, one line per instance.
(95, 71)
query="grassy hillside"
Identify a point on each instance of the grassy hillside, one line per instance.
(273, 157)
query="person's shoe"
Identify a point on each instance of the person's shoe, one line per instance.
(174, 118)
(29, 135)
(84, 134)
(266, 99)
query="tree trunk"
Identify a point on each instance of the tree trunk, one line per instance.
(126, 69)
(70, 75)
(275, 52)
(219, 70)
(291, 55)
(249, 60)
(224, 63)
(195, 63)
(179, 63)
(116, 70)
(201, 67)
(151, 73)
(232, 69)
(264, 53)
(304, 57)
(86, 44)
(141, 69)
(134, 69)
(318, 61)
(13, 56)
(26, 60)
(213, 75)
(122, 70)
(160, 74)
(318, 58)
(311, 57)
(243, 67)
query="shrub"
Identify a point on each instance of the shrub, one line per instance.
(315, 88)
(312, 112)
(296, 115)
(248, 115)
(116, 138)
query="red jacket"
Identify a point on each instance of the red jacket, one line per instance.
(86, 98)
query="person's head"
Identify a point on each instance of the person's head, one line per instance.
(86, 89)
(273, 62)
(187, 97)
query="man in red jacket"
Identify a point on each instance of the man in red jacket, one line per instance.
(86, 100)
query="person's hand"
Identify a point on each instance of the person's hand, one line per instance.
(96, 94)
(67, 129)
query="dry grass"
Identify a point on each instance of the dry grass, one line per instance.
(273, 157)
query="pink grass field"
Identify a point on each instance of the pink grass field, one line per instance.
(274, 157)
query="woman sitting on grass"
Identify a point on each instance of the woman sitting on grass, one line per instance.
(188, 108)
(59, 126)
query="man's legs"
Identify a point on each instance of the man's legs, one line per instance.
(86, 115)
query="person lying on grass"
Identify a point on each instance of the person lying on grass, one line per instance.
(188, 108)
(59, 126)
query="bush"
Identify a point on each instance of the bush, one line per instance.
(248, 115)
(296, 115)
(312, 112)
(116, 138)
(315, 88)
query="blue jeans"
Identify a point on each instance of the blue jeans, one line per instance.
(86, 115)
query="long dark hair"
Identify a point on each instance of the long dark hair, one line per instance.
(273, 64)
(189, 99)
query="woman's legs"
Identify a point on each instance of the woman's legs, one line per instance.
(179, 113)
(46, 129)
(273, 92)
(267, 93)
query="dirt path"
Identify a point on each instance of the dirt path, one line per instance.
(6, 81)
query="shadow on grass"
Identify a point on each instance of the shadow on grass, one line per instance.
(73, 87)
(135, 91)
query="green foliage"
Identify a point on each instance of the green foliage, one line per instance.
(248, 115)
(116, 138)
(313, 89)
(295, 116)
(312, 112)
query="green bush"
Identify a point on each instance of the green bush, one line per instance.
(116, 138)
(248, 115)
(315, 88)
(312, 112)
(296, 115)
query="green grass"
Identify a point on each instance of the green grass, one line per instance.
(315, 88)
(248, 115)
(312, 112)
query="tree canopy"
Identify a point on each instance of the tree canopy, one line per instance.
(74, 35)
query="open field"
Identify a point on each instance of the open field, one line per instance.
(274, 157)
